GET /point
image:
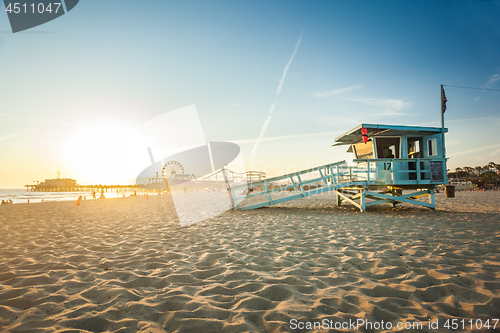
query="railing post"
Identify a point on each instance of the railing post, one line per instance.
(418, 171)
(368, 172)
(431, 198)
(362, 199)
(322, 177)
(268, 195)
(334, 181)
(229, 192)
(295, 187)
(301, 187)
(392, 169)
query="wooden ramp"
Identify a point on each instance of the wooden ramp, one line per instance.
(360, 186)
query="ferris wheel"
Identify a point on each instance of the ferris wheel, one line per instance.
(171, 169)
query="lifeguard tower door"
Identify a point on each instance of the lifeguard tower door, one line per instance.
(388, 148)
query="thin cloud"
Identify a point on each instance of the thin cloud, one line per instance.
(33, 143)
(264, 127)
(492, 81)
(3, 114)
(52, 121)
(9, 136)
(475, 150)
(388, 106)
(494, 153)
(286, 137)
(289, 64)
(458, 120)
(337, 91)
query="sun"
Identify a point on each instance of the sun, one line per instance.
(106, 153)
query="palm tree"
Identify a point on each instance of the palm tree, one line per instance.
(469, 170)
(479, 169)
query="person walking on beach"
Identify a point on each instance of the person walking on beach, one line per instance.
(93, 195)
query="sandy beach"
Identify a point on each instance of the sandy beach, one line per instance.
(126, 265)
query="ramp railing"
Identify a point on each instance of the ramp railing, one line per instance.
(291, 186)
(367, 174)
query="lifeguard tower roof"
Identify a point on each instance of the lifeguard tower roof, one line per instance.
(354, 135)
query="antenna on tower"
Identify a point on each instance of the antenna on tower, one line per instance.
(59, 173)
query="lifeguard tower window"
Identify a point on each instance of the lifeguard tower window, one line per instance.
(432, 147)
(364, 150)
(388, 147)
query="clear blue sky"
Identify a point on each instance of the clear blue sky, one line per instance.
(80, 83)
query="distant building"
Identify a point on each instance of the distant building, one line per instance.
(59, 182)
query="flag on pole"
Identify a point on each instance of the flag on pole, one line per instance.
(444, 101)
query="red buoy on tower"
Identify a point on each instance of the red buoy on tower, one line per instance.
(364, 134)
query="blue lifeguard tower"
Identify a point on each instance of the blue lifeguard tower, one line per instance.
(393, 164)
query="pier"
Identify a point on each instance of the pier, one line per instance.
(84, 188)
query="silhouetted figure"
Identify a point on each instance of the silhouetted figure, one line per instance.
(102, 195)
(4, 202)
(93, 195)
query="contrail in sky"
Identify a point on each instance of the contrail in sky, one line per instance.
(289, 63)
(263, 130)
(9, 136)
(264, 127)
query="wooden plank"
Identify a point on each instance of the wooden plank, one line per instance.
(373, 203)
(255, 206)
(401, 199)
(276, 201)
(348, 199)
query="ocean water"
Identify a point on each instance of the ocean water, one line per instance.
(22, 196)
